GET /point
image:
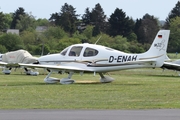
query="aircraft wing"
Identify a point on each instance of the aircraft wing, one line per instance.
(3, 63)
(9, 64)
(55, 67)
(87, 66)
(84, 66)
(171, 65)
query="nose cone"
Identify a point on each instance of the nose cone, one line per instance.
(29, 60)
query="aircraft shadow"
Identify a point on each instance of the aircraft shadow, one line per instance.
(111, 83)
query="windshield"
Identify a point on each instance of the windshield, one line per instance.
(64, 51)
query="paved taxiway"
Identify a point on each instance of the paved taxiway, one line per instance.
(160, 114)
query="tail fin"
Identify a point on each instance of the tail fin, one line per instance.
(158, 48)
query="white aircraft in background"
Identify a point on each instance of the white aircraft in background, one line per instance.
(8, 59)
(172, 65)
(100, 59)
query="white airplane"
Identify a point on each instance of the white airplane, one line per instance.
(100, 59)
(172, 65)
(8, 59)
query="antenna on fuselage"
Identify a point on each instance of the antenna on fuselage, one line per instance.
(98, 40)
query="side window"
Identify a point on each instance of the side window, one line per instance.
(75, 51)
(64, 51)
(89, 52)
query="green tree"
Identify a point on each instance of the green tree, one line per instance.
(29, 38)
(79, 36)
(67, 18)
(5, 21)
(98, 19)
(8, 21)
(86, 18)
(174, 13)
(55, 32)
(146, 29)
(16, 17)
(42, 22)
(11, 42)
(41, 50)
(51, 37)
(102, 39)
(26, 22)
(3, 49)
(135, 47)
(88, 32)
(132, 37)
(120, 24)
(120, 43)
(174, 41)
(137, 29)
(2, 19)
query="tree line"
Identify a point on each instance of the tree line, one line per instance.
(66, 27)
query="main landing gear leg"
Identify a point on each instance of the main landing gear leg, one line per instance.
(49, 79)
(105, 79)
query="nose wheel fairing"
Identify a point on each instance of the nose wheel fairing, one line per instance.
(105, 79)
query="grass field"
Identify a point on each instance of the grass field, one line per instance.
(132, 89)
(173, 56)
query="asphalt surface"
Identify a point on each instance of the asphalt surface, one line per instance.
(36, 114)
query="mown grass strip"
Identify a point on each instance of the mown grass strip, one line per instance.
(132, 89)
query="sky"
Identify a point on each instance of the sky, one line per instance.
(133, 8)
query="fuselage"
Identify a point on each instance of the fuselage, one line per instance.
(93, 57)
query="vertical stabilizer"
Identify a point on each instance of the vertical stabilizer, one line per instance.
(158, 48)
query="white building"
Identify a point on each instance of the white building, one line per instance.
(13, 31)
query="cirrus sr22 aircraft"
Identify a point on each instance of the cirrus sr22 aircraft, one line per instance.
(100, 59)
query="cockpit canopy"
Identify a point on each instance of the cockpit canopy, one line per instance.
(76, 51)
